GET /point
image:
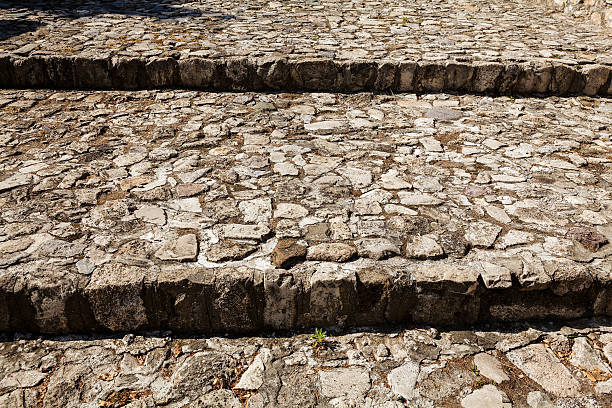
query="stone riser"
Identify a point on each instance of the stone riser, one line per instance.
(242, 300)
(279, 74)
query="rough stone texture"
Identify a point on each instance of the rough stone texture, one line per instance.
(253, 377)
(335, 252)
(585, 357)
(503, 47)
(352, 382)
(390, 226)
(403, 379)
(542, 366)
(588, 237)
(230, 251)
(424, 247)
(598, 12)
(115, 298)
(511, 30)
(507, 79)
(403, 367)
(490, 367)
(486, 397)
(287, 253)
(178, 211)
(537, 399)
(184, 248)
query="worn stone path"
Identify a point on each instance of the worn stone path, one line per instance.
(497, 46)
(238, 212)
(523, 365)
(345, 30)
(599, 12)
(155, 214)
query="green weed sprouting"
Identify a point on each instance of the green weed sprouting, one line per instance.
(320, 337)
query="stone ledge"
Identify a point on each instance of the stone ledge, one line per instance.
(238, 212)
(240, 300)
(316, 74)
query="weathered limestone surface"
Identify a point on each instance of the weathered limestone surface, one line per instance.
(597, 12)
(420, 367)
(498, 46)
(241, 212)
(395, 30)
(155, 213)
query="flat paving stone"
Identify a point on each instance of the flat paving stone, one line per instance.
(348, 369)
(101, 215)
(490, 367)
(486, 397)
(543, 366)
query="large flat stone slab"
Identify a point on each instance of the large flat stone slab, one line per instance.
(542, 366)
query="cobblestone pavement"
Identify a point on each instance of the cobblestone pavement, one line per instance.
(174, 212)
(597, 11)
(536, 366)
(120, 209)
(435, 30)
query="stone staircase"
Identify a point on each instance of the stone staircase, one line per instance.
(440, 46)
(174, 168)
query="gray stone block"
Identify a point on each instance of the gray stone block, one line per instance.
(315, 74)
(115, 294)
(197, 73)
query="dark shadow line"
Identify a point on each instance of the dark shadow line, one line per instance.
(543, 325)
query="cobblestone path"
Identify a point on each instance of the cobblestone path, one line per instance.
(346, 30)
(317, 209)
(497, 46)
(535, 366)
(428, 182)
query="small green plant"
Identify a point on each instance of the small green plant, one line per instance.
(475, 369)
(320, 337)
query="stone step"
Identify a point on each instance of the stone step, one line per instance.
(314, 74)
(517, 365)
(219, 213)
(497, 47)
